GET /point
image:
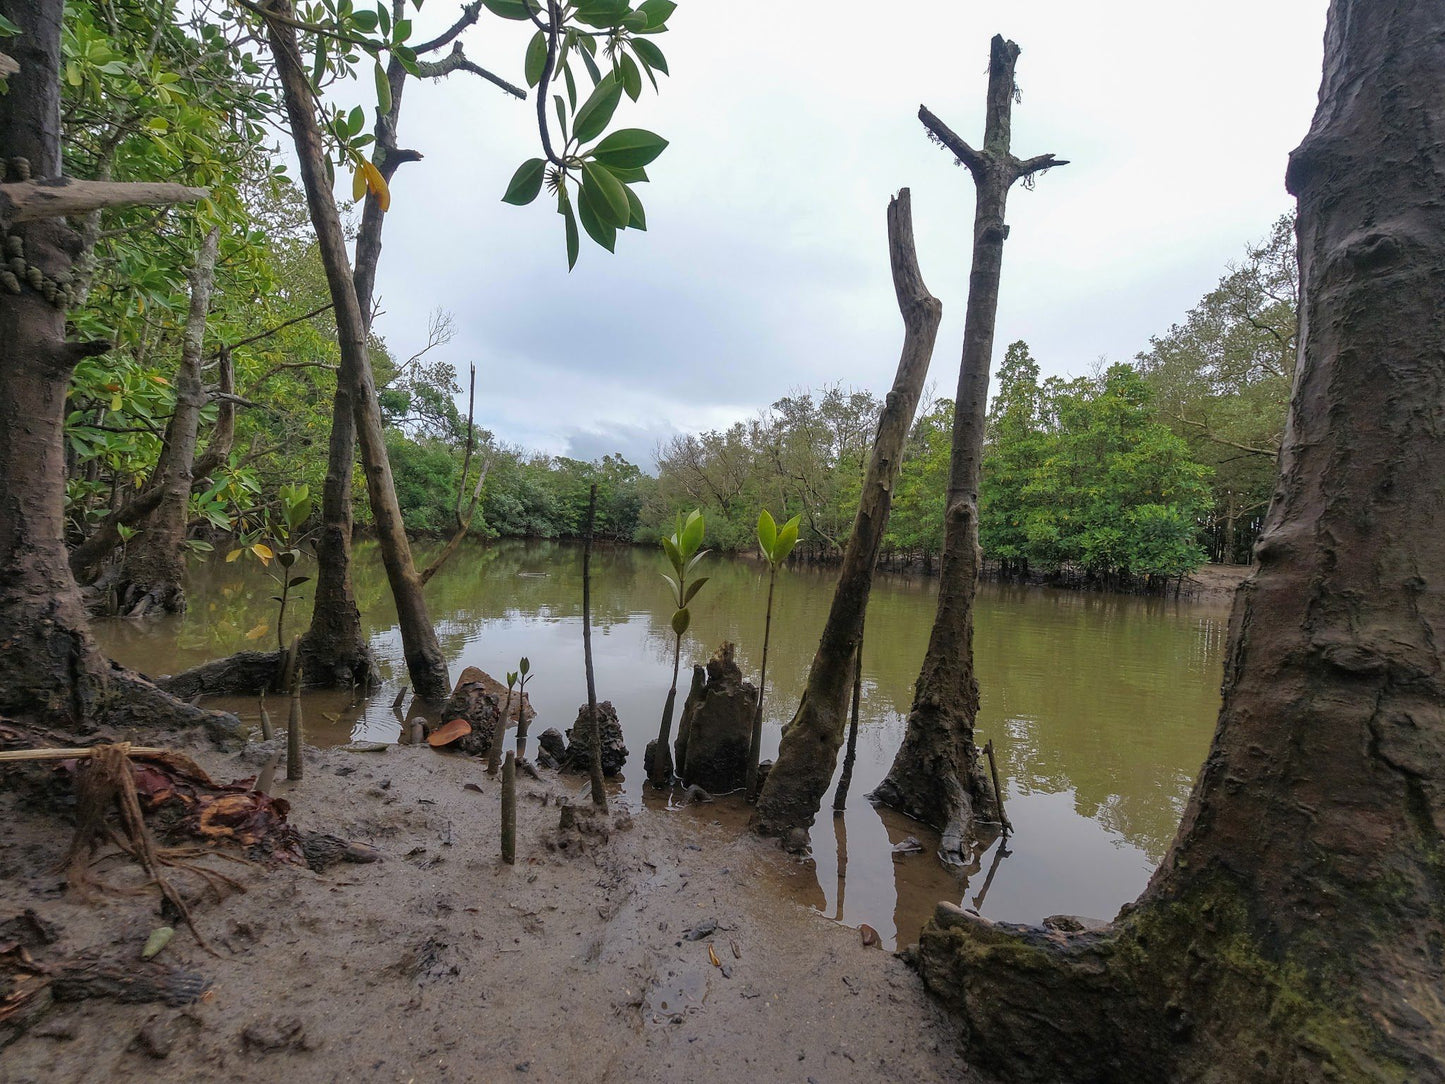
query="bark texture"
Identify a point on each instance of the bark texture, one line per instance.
(935, 776)
(1295, 929)
(50, 666)
(152, 577)
(425, 662)
(794, 788)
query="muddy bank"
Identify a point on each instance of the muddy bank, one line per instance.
(441, 964)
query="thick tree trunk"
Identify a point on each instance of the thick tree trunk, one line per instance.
(425, 662)
(935, 776)
(50, 666)
(794, 789)
(152, 576)
(1294, 930)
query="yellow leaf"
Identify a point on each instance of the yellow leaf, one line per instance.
(377, 183)
(162, 381)
(232, 556)
(263, 551)
(358, 184)
(711, 955)
(259, 631)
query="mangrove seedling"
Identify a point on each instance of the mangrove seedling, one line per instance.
(775, 545)
(524, 675)
(683, 552)
(494, 751)
(282, 545)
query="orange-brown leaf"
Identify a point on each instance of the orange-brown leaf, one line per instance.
(445, 735)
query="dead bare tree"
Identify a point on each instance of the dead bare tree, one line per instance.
(935, 775)
(794, 789)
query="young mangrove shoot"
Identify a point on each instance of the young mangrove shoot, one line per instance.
(775, 546)
(683, 552)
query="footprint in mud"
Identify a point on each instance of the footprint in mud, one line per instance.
(668, 1000)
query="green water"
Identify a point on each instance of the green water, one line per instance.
(1101, 707)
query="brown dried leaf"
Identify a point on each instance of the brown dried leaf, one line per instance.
(711, 955)
(450, 732)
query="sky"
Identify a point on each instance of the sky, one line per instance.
(764, 268)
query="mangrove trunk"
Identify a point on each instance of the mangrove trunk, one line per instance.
(794, 789)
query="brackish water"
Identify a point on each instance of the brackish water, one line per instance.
(1101, 707)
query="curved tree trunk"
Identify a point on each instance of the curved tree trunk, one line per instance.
(152, 576)
(50, 666)
(794, 789)
(935, 776)
(1294, 930)
(425, 662)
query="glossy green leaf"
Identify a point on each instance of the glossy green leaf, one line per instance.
(597, 110)
(571, 87)
(569, 217)
(787, 539)
(628, 176)
(609, 198)
(526, 182)
(365, 20)
(524, 666)
(693, 588)
(536, 58)
(383, 88)
(673, 554)
(680, 621)
(561, 115)
(592, 69)
(657, 11)
(636, 217)
(695, 559)
(511, 678)
(508, 9)
(631, 77)
(604, 233)
(296, 581)
(650, 55)
(692, 534)
(676, 587)
(629, 148)
(767, 532)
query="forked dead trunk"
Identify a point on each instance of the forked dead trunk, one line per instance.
(1294, 929)
(935, 776)
(793, 792)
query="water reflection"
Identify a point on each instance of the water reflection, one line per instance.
(1100, 707)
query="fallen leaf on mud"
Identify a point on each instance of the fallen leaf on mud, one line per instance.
(158, 940)
(737, 952)
(711, 955)
(870, 935)
(448, 733)
(259, 631)
(471, 786)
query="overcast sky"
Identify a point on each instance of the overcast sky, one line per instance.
(764, 268)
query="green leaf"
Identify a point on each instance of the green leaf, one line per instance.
(597, 110)
(787, 539)
(696, 558)
(536, 58)
(383, 88)
(680, 621)
(636, 219)
(609, 198)
(676, 587)
(693, 588)
(296, 581)
(692, 534)
(511, 678)
(767, 532)
(564, 208)
(631, 77)
(657, 11)
(507, 9)
(365, 20)
(561, 114)
(591, 65)
(629, 148)
(524, 666)
(571, 87)
(628, 176)
(526, 182)
(604, 233)
(673, 554)
(354, 120)
(650, 55)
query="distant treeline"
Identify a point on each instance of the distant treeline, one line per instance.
(1137, 471)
